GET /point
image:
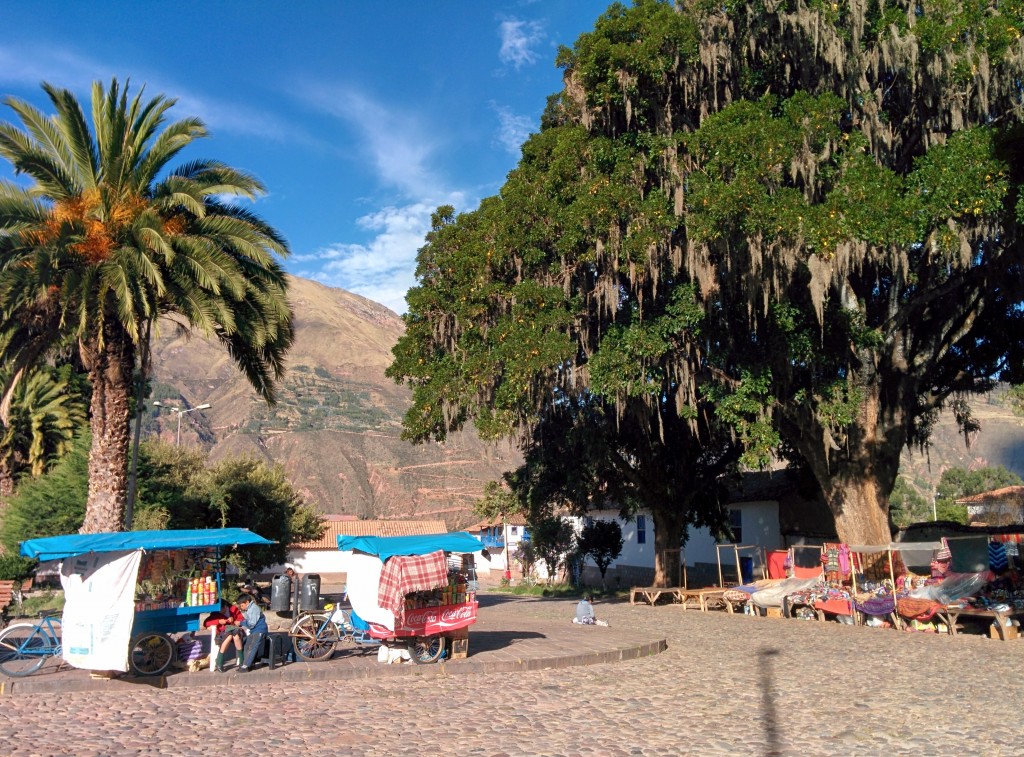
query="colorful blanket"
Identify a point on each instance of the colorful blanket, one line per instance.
(405, 574)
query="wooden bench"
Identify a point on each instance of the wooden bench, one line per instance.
(7, 595)
(702, 599)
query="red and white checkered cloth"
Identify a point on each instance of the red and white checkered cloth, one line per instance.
(404, 574)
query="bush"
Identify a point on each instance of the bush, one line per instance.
(16, 567)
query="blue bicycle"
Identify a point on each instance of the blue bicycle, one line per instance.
(25, 647)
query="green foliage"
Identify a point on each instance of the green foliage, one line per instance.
(16, 568)
(48, 407)
(957, 483)
(551, 540)
(907, 505)
(601, 541)
(52, 504)
(177, 489)
(104, 237)
(497, 502)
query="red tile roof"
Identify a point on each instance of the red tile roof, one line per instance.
(1008, 495)
(512, 520)
(334, 528)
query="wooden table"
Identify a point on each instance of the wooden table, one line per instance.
(950, 613)
(702, 599)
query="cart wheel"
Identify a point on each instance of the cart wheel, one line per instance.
(427, 650)
(150, 654)
(314, 637)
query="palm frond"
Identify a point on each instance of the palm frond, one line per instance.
(79, 140)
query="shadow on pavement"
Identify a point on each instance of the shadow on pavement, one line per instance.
(768, 694)
(494, 641)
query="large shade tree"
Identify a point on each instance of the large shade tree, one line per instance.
(107, 239)
(803, 213)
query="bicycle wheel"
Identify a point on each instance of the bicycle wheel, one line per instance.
(426, 650)
(150, 654)
(314, 637)
(24, 648)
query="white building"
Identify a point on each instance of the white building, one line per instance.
(501, 540)
(754, 523)
(322, 556)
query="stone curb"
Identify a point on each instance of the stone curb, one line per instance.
(301, 672)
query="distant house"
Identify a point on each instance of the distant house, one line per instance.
(998, 507)
(322, 555)
(768, 512)
(501, 539)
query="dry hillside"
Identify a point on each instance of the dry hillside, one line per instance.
(337, 426)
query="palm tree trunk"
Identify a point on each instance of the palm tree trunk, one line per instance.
(110, 372)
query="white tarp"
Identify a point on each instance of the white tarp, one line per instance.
(363, 579)
(99, 608)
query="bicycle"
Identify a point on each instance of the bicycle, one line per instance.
(316, 634)
(25, 647)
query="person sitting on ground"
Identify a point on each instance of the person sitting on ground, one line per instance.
(256, 628)
(585, 613)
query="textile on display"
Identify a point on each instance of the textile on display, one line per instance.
(880, 604)
(404, 574)
(997, 559)
(772, 596)
(777, 563)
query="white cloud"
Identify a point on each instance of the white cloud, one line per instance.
(518, 38)
(396, 143)
(382, 269)
(513, 129)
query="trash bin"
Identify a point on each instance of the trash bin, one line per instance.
(747, 570)
(309, 599)
(281, 594)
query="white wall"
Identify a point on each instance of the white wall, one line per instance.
(759, 522)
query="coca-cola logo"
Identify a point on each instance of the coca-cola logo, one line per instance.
(421, 617)
(462, 612)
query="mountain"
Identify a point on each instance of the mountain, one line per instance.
(337, 426)
(1000, 441)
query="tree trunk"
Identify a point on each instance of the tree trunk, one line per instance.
(861, 510)
(110, 372)
(668, 532)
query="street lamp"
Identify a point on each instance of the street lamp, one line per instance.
(179, 412)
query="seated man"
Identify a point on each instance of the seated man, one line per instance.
(256, 627)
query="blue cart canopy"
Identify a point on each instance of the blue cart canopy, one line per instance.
(389, 546)
(59, 547)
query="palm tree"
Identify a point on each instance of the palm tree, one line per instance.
(46, 413)
(106, 240)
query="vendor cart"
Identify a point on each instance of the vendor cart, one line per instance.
(415, 591)
(139, 586)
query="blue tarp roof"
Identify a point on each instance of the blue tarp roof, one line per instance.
(389, 546)
(59, 547)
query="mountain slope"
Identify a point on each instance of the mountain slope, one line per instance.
(337, 426)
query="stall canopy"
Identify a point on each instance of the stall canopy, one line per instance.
(389, 546)
(59, 547)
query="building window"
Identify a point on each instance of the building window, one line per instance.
(514, 530)
(641, 529)
(736, 524)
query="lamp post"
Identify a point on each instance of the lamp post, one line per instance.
(179, 412)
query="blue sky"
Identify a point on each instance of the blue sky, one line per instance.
(360, 117)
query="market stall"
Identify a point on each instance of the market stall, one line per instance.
(126, 592)
(417, 591)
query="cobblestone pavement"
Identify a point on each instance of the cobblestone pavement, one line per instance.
(726, 684)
